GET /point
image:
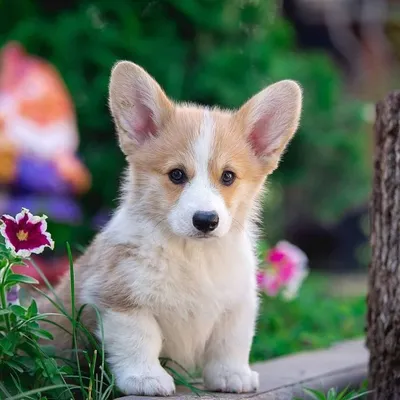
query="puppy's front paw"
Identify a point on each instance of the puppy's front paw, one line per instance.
(230, 379)
(155, 382)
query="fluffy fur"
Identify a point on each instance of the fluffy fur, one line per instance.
(164, 288)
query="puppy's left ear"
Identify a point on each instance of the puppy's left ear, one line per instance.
(270, 119)
(138, 104)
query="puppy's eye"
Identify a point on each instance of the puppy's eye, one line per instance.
(227, 178)
(177, 176)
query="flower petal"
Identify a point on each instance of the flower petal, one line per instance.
(8, 229)
(6, 217)
(26, 233)
(24, 215)
(272, 284)
(287, 271)
(275, 255)
(292, 252)
(292, 287)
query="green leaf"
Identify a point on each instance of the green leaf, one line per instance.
(32, 324)
(3, 262)
(33, 309)
(14, 365)
(19, 311)
(12, 279)
(5, 311)
(359, 395)
(49, 368)
(9, 343)
(25, 395)
(332, 394)
(317, 395)
(43, 334)
(29, 349)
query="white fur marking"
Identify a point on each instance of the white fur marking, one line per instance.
(203, 145)
(199, 194)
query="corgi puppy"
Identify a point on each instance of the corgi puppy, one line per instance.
(174, 271)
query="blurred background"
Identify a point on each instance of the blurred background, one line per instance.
(58, 153)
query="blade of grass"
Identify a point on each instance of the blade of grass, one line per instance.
(54, 303)
(39, 317)
(82, 327)
(48, 284)
(94, 342)
(180, 379)
(357, 396)
(92, 374)
(73, 310)
(4, 390)
(110, 389)
(169, 360)
(77, 326)
(40, 390)
(49, 321)
(316, 394)
(97, 388)
(100, 322)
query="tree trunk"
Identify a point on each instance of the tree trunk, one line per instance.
(383, 332)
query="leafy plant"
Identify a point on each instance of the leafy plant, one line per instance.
(28, 368)
(289, 327)
(333, 394)
(22, 359)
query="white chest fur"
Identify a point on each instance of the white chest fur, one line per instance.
(186, 285)
(188, 289)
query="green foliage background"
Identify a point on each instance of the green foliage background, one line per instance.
(208, 51)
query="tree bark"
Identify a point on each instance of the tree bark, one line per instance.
(383, 319)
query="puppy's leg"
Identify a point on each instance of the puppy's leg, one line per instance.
(133, 344)
(227, 354)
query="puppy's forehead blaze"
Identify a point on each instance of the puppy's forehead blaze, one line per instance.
(195, 138)
(173, 147)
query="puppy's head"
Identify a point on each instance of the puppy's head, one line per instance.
(197, 171)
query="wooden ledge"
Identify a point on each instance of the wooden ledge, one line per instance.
(344, 364)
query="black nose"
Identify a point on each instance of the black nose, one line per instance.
(205, 221)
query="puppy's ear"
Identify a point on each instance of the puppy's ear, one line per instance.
(270, 119)
(138, 105)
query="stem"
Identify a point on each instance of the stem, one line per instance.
(3, 297)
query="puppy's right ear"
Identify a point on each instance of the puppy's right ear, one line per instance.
(138, 105)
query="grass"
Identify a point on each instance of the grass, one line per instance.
(29, 370)
(317, 318)
(333, 394)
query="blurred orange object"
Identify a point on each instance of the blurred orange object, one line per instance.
(38, 116)
(8, 161)
(73, 172)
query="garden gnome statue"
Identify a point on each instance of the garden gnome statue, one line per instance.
(39, 169)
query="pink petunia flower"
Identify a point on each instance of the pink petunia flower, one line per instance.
(285, 270)
(25, 234)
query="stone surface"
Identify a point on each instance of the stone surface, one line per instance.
(283, 378)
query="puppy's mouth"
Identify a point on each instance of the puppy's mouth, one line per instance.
(203, 236)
